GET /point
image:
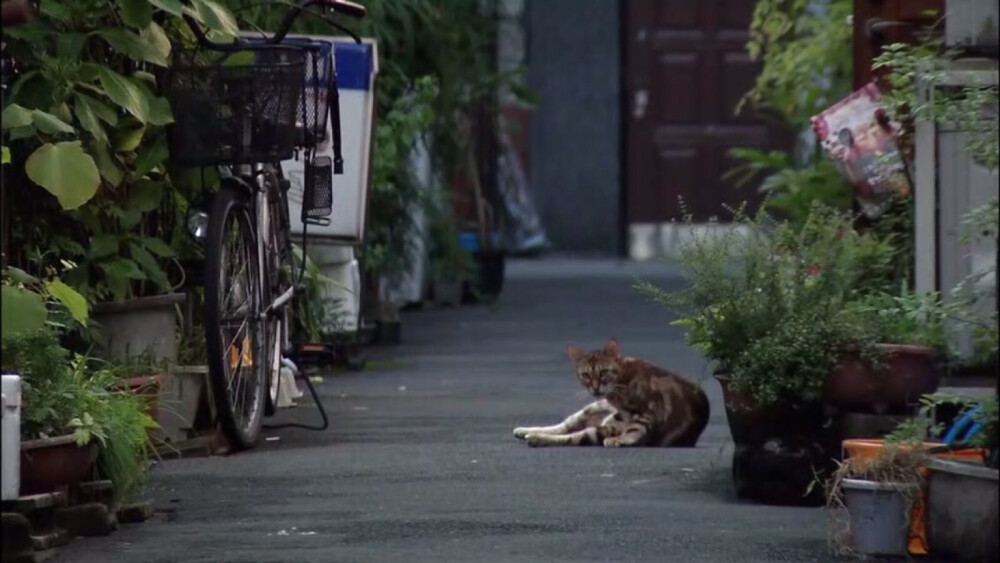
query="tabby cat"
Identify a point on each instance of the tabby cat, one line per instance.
(638, 404)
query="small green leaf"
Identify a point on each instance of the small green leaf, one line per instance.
(15, 116)
(6, 155)
(102, 245)
(20, 311)
(73, 301)
(69, 45)
(87, 117)
(172, 7)
(48, 123)
(158, 247)
(216, 17)
(110, 170)
(123, 268)
(124, 93)
(157, 39)
(149, 157)
(22, 133)
(66, 171)
(149, 266)
(19, 275)
(103, 111)
(128, 138)
(136, 13)
(159, 112)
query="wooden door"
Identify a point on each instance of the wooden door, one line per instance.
(686, 67)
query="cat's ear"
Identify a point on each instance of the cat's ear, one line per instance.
(574, 353)
(612, 346)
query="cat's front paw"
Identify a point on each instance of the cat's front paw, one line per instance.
(520, 432)
(613, 442)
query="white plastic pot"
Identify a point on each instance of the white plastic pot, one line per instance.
(879, 514)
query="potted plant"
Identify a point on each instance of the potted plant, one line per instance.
(963, 493)
(870, 502)
(905, 361)
(764, 307)
(452, 265)
(59, 435)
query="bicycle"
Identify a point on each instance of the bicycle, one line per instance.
(243, 108)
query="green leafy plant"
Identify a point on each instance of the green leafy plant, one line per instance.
(983, 412)
(765, 305)
(317, 318)
(971, 107)
(804, 49)
(28, 303)
(85, 119)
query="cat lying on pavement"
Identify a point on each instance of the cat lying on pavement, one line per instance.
(638, 404)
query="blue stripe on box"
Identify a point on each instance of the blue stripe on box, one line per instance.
(354, 66)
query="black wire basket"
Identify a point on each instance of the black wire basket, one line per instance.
(317, 193)
(237, 107)
(314, 103)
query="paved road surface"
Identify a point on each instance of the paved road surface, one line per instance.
(420, 466)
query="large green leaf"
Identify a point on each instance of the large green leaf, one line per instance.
(124, 93)
(20, 311)
(131, 44)
(48, 123)
(136, 13)
(145, 195)
(66, 171)
(70, 45)
(216, 17)
(103, 111)
(73, 301)
(15, 116)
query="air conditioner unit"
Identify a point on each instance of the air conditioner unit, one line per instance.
(972, 24)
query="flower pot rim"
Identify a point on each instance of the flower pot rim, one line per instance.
(869, 485)
(965, 468)
(50, 442)
(908, 348)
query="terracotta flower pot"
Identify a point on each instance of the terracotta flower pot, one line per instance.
(909, 373)
(49, 464)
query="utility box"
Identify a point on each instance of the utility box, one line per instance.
(10, 440)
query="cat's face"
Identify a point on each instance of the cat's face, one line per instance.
(597, 370)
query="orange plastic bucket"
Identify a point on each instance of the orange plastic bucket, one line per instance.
(865, 449)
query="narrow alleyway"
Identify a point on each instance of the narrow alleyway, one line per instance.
(420, 465)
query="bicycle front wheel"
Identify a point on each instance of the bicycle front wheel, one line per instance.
(235, 335)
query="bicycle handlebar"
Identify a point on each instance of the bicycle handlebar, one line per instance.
(342, 6)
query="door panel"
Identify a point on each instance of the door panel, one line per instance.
(686, 69)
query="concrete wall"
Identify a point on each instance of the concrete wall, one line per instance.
(573, 64)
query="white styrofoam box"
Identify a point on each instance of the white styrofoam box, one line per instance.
(343, 279)
(10, 437)
(356, 67)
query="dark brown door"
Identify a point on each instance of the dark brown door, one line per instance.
(686, 68)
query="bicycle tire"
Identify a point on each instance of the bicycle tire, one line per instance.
(232, 207)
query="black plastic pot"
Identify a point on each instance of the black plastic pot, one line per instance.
(492, 267)
(780, 449)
